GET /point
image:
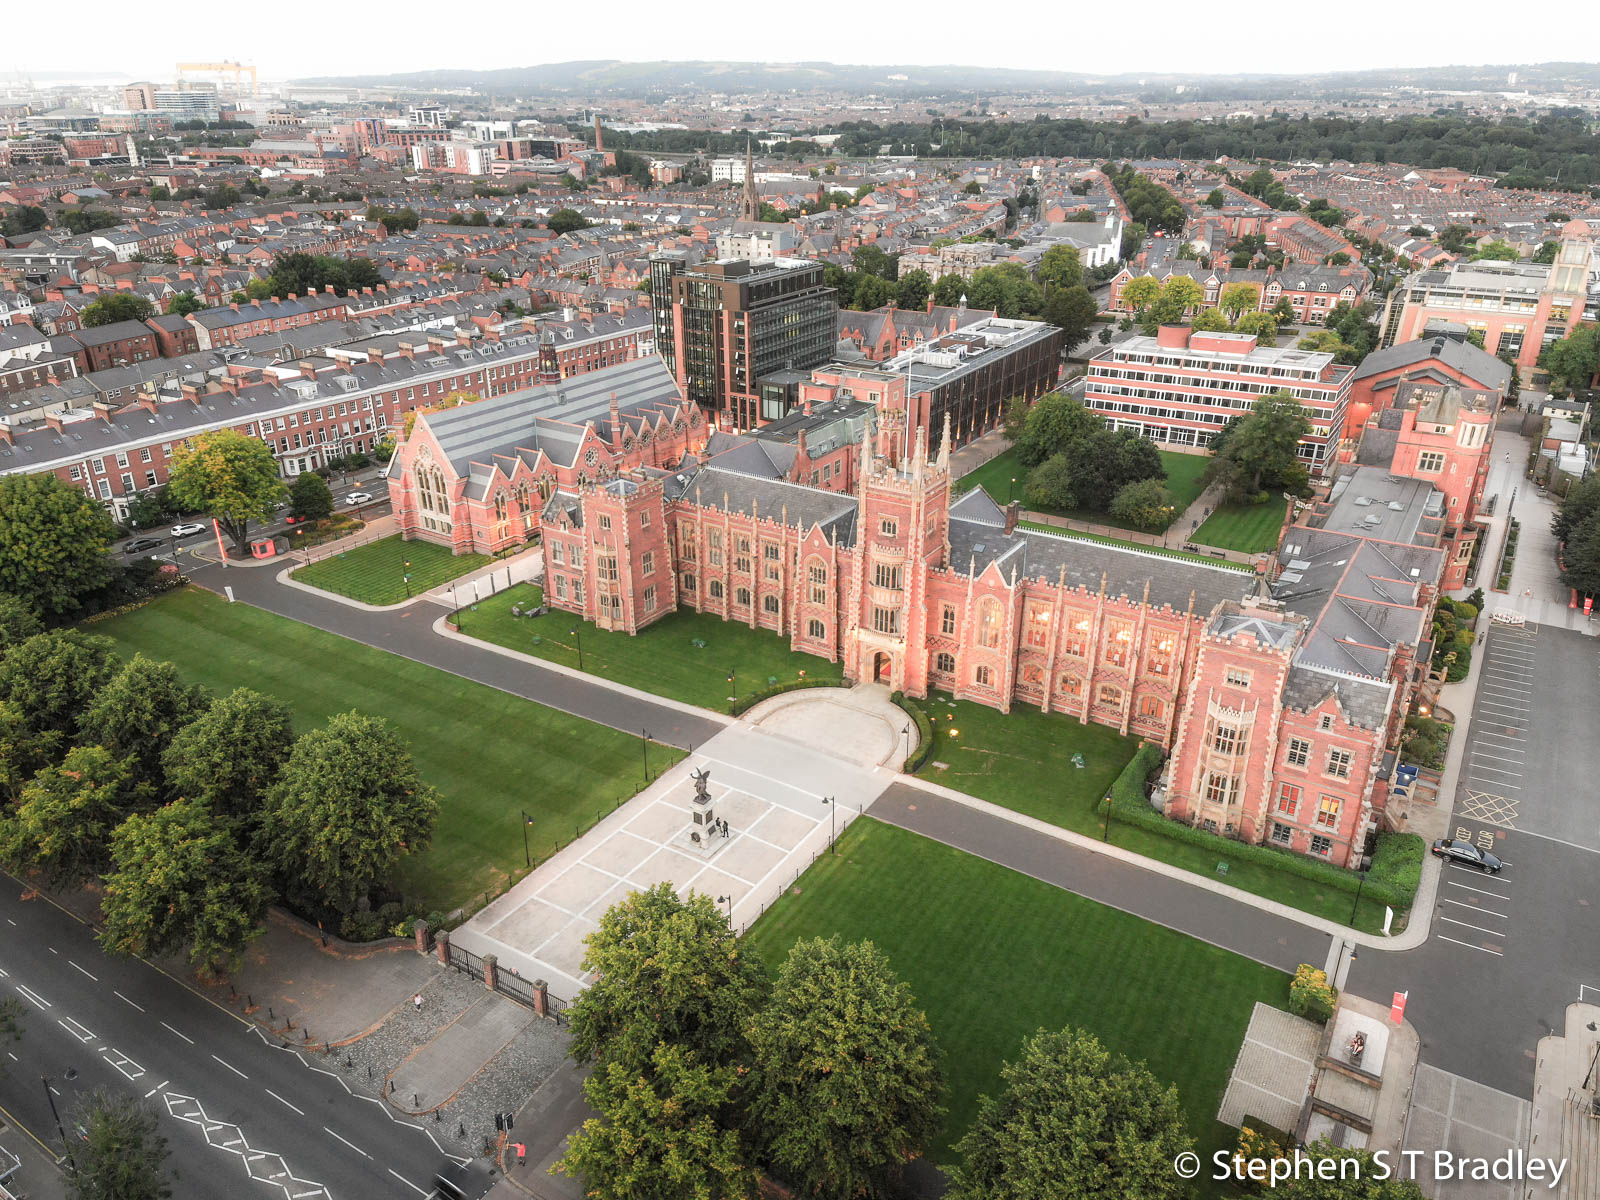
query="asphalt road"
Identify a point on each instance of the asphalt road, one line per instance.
(1508, 952)
(243, 1116)
(376, 488)
(409, 632)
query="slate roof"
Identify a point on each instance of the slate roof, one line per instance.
(730, 491)
(1475, 364)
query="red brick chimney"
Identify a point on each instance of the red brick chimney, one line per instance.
(1012, 511)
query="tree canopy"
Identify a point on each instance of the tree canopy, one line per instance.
(847, 1082)
(1073, 1120)
(298, 272)
(1573, 360)
(310, 496)
(62, 823)
(231, 754)
(1261, 448)
(116, 306)
(566, 220)
(139, 711)
(231, 476)
(346, 807)
(122, 1152)
(53, 541)
(1048, 425)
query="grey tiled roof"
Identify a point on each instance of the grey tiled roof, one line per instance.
(1366, 702)
(774, 499)
(1472, 362)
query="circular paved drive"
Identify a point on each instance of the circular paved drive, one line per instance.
(860, 724)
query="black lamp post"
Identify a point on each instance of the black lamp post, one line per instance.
(577, 632)
(644, 749)
(733, 682)
(907, 732)
(65, 1144)
(1011, 490)
(527, 859)
(406, 575)
(833, 808)
(1361, 882)
(728, 900)
(1106, 835)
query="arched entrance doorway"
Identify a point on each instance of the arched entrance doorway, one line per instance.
(882, 667)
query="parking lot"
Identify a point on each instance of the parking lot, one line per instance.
(1474, 906)
(1495, 770)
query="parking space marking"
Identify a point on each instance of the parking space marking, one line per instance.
(1477, 908)
(1479, 891)
(1479, 928)
(1477, 754)
(1469, 945)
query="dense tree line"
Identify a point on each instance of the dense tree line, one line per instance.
(1526, 152)
(298, 272)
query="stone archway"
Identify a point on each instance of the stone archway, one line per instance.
(883, 668)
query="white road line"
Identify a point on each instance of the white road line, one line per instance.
(351, 1144)
(1479, 928)
(1497, 689)
(1488, 784)
(1480, 891)
(282, 1101)
(408, 1183)
(1501, 737)
(76, 1030)
(157, 1088)
(34, 996)
(170, 1029)
(1469, 945)
(231, 1067)
(1494, 770)
(1477, 754)
(124, 999)
(76, 967)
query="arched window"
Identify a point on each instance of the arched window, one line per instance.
(547, 485)
(1033, 675)
(984, 677)
(989, 620)
(433, 499)
(741, 595)
(1071, 685)
(945, 664)
(1109, 695)
(770, 604)
(502, 513)
(715, 588)
(525, 505)
(816, 629)
(817, 574)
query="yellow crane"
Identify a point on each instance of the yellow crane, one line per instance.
(238, 71)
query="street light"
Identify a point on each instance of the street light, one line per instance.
(728, 900)
(907, 732)
(577, 632)
(733, 682)
(1361, 882)
(65, 1144)
(1106, 836)
(406, 576)
(832, 821)
(644, 749)
(1011, 491)
(526, 857)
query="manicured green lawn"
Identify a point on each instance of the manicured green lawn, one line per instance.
(661, 658)
(1111, 541)
(376, 572)
(491, 755)
(992, 956)
(1022, 760)
(1249, 528)
(995, 476)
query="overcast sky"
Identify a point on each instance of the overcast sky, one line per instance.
(406, 35)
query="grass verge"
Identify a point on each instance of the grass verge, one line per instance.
(993, 955)
(663, 658)
(490, 754)
(1247, 528)
(388, 570)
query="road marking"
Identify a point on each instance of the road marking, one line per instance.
(1502, 737)
(170, 1029)
(122, 1063)
(157, 1088)
(264, 1166)
(76, 1030)
(351, 1144)
(1469, 945)
(232, 1068)
(1480, 891)
(124, 999)
(1479, 928)
(408, 1183)
(1477, 753)
(34, 996)
(282, 1101)
(1479, 909)
(1495, 770)
(76, 967)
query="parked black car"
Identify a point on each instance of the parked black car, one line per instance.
(140, 545)
(1467, 855)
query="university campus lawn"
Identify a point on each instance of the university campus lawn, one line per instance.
(1248, 528)
(992, 956)
(490, 754)
(995, 476)
(1022, 760)
(1080, 535)
(376, 572)
(661, 658)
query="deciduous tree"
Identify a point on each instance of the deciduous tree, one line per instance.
(116, 306)
(310, 497)
(1145, 504)
(1061, 267)
(63, 820)
(179, 878)
(231, 754)
(52, 678)
(1072, 310)
(139, 711)
(566, 220)
(1236, 299)
(232, 477)
(912, 290)
(1260, 449)
(185, 303)
(1073, 1120)
(53, 541)
(1140, 292)
(1209, 320)
(666, 970)
(1106, 461)
(347, 805)
(1055, 420)
(668, 1131)
(122, 1152)
(847, 1078)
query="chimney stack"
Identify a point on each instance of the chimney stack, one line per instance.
(1012, 511)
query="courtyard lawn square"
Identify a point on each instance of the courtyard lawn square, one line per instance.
(376, 572)
(995, 476)
(1024, 760)
(685, 656)
(1248, 528)
(490, 754)
(993, 956)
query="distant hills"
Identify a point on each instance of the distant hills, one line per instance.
(609, 76)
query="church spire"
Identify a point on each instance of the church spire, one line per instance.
(749, 202)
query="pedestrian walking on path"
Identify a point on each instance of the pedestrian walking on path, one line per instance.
(417, 1000)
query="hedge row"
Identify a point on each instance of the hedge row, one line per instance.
(1393, 878)
(794, 685)
(919, 756)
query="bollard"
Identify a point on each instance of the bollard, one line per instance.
(270, 1017)
(436, 1116)
(461, 1130)
(305, 1034)
(349, 1063)
(415, 1103)
(369, 1072)
(391, 1087)
(249, 1001)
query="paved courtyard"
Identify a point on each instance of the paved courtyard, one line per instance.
(771, 791)
(1273, 1072)
(1465, 1118)
(860, 724)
